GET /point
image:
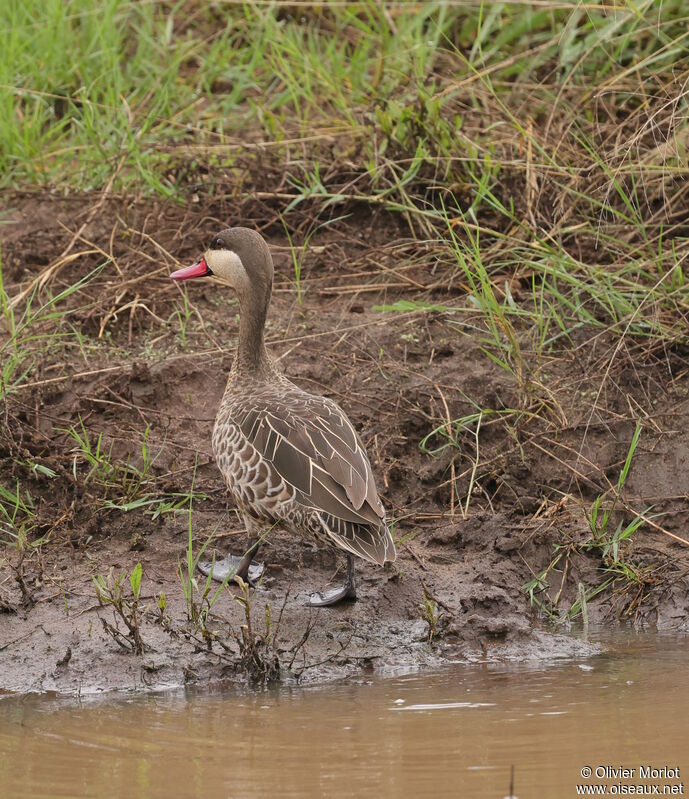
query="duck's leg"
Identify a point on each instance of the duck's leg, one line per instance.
(320, 599)
(234, 566)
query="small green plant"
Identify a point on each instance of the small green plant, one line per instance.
(16, 507)
(129, 483)
(17, 531)
(450, 434)
(34, 330)
(502, 344)
(602, 510)
(92, 452)
(156, 506)
(298, 254)
(111, 592)
(431, 614)
(257, 651)
(199, 598)
(183, 315)
(536, 589)
(608, 544)
(417, 125)
(39, 469)
(162, 616)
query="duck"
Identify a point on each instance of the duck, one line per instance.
(290, 459)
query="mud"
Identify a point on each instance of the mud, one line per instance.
(147, 361)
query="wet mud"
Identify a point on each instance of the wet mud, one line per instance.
(481, 512)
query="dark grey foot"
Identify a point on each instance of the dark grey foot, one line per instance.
(321, 599)
(231, 565)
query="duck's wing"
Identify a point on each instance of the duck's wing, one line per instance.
(311, 444)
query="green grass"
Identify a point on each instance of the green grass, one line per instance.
(542, 143)
(41, 322)
(123, 485)
(601, 513)
(17, 513)
(618, 569)
(471, 98)
(122, 85)
(537, 152)
(146, 81)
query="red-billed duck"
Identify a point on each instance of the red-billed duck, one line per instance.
(289, 458)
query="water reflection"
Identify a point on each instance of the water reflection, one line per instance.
(451, 733)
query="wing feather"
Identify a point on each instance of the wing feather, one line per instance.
(312, 445)
(370, 543)
(292, 464)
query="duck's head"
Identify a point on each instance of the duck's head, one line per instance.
(239, 257)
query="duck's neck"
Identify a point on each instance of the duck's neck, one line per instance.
(251, 358)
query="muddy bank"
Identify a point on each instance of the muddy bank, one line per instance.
(477, 612)
(491, 516)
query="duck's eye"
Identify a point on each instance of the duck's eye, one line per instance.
(218, 245)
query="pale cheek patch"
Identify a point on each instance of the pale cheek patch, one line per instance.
(228, 266)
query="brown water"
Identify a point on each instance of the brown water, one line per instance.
(451, 733)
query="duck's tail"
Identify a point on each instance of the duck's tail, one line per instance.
(366, 541)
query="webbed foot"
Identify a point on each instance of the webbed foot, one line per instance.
(232, 565)
(321, 599)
